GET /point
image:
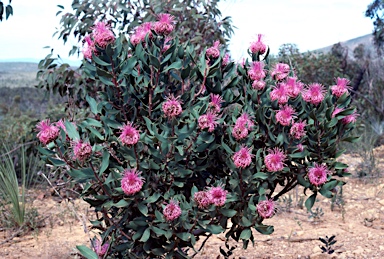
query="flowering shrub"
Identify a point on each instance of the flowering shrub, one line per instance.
(179, 146)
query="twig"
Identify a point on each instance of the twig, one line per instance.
(12, 236)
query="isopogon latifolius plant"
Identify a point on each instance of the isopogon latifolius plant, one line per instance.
(180, 146)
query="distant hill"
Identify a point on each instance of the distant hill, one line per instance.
(351, 44)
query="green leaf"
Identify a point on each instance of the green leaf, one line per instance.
(146, 235)
(310, 201)
(214, 229)
(71, 131)
(96, 133)
(57, 162)
(143, 209)
(246, 234)
(228, 212)
(105, 162)
(87, 252)
(352, 139)
(92, 103)
(264, 229)
(99, 61)
(183, 236)
(175, 65)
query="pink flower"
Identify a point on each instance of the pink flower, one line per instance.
(131, 182)
(218, 195)
(350, 118)
(129, 134)
(215, 103)
(243, 157)
(81, 150)
(258, 46)
(172, 211)
(102, 34)
(336, 111)
(281, 93)
(100, 249)
(297, 130)
(274, 161)
(314, 93)
(293, 87)
(214, 51)
(266, 208)
(165, 24)
(203, 199)
(47, 132)
(239, 132)
(141, 32)
(317, 175)
(300, 147)
(208, 121)
(244, 121)
(280, 71)
(172, 107)
(89, 47)
(256, 72)
(258, 85)
(341, 87)
(226, 60)
(285, 115)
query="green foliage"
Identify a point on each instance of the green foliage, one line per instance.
(7, 9)
(9, 188)
(178, 157)
(375, 12)
(328, 243)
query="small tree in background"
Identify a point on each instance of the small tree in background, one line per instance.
(182, 144)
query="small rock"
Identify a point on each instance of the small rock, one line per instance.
(316, 250)
(381, 248)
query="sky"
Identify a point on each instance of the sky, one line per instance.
(310, 24)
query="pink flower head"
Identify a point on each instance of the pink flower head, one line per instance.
(214, 51)
(89, 47)
(60, 124)
(350, 118)
(141, 32)
(258, 85)
(240, 132)
(172, 211)
(165, 24)
(100, 249)
(317, 174)
(314, 93)
(258, 46)
(131, 182)
(47, 132)
(244, 121)
(226, 59)
(285, 115)
(129, 135)
(218, 195)
(281, 93)
(336, 111)
(274, 161)
(280, 71)
(293, 87)
(341, 87)
(266, 208)
(208, 121)
(300, 147)
(298, 129)
(81, 150)
(102, 34)
(172, 107)
(215, 103)
(257, 72)
(203, 199)
(243, 157)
